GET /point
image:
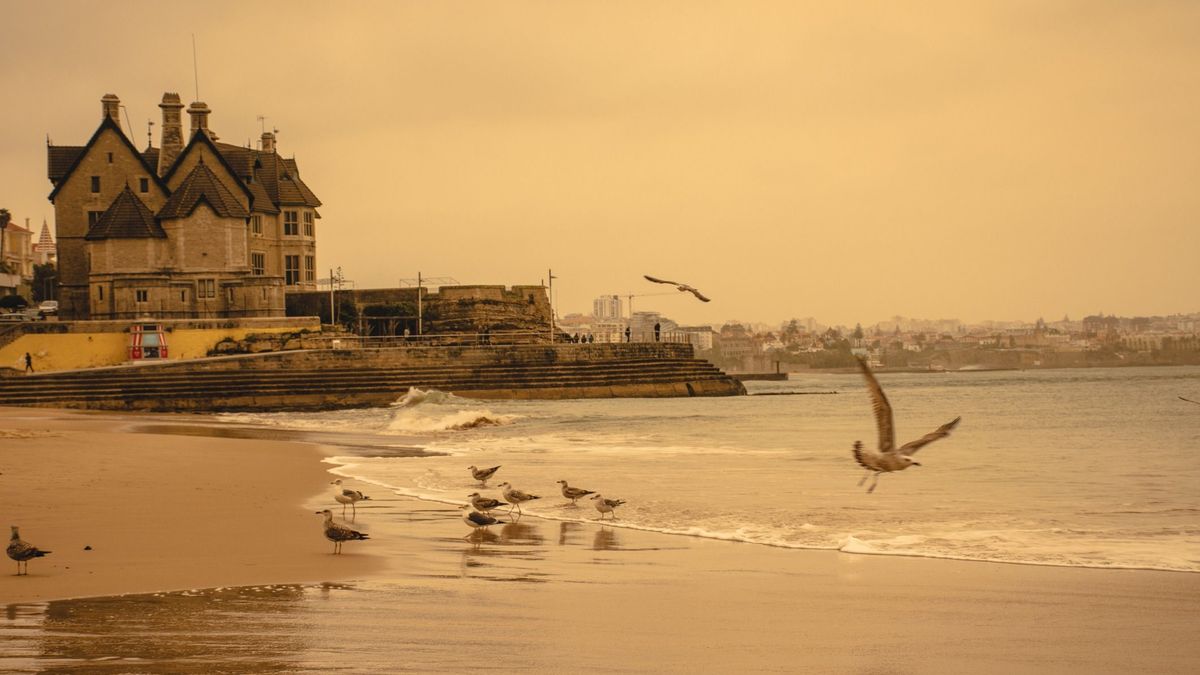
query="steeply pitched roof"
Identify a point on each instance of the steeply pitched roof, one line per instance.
(126, 218)
(106, 123)
(150, 156)
(268, 174)
(45, 241)
(59, 158)
(202, 185)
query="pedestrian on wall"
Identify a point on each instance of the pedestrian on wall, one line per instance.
(657, 331)
(28, 363)
(627, 333)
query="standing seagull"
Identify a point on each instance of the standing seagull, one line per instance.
(338, 533)
(515, 497)
(346, 496)
(482, 475)
(22, 551)
(606, 505)
(890, 458)
(573, 493)
(683, 288)
(476, 519)
(484, 504)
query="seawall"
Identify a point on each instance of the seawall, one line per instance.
(343, 378)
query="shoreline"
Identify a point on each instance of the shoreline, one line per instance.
(234, 516)
(161, 512)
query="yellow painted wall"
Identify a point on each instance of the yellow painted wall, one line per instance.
(70, 351)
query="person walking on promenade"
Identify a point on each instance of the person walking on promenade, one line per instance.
(627, 333)
(657, 331)
(28, 363)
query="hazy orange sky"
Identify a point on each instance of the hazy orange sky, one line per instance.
(975, 160)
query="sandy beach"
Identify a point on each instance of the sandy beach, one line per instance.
(180, 512)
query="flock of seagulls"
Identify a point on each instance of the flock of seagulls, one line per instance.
(477, 512)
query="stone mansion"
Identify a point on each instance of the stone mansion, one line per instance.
(205, 229)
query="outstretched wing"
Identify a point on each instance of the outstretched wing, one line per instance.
(881, 407)
(660, 281)
(698, 295)
(943, 431)
(1189, 400)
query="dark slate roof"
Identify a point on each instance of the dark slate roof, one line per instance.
(150, 155)
(202, 185)
(266, 174)
(59, 158)
(262, 201)
(126, 218)
(106, 123)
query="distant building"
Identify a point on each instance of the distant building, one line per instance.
(18, 250)
(608, 308)
(202, 229)
(44, 250)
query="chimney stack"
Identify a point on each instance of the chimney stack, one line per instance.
(111, 106)
(172, 132)
(199, 111)
(268, 141)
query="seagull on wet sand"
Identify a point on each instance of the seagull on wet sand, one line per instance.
(476, 519)
(484, 504)
(683, 288)
(573, 493)
(482, 475)
(515, 497)
(890, 458)
(606, 505)
(22, 551)
(346, 496)
(338, 533)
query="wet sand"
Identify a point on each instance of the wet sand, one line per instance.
(540, 595)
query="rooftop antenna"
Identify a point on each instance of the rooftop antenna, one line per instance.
(262, 121)
(149, 133)
(195, 68)
(127, 122)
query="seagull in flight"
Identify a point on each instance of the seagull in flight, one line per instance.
(890, 458)
(1189, 400)
(684, 288)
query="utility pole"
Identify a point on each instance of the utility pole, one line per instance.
(332, 314)
(550, 299)
(419, 305)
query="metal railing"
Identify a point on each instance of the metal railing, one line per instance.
(480, 339)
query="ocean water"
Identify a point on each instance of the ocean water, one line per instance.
(1087, 467)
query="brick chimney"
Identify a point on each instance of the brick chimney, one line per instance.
(172, 132)
(199, 111)
(268, 141)
(111, 106)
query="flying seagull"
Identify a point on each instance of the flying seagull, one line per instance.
(346, 496)
(890, 458)
(338, 533)
(1189, 400)
(22, 551)
(606, 505)
(482, 475)
(681, 287)
(484, 504)
(515, 497)
(573, 493)
(476, 519)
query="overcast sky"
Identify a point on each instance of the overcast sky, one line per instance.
(848, 161)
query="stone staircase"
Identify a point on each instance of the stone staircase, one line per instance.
(325, 379)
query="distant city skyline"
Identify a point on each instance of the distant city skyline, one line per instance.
(978, 160)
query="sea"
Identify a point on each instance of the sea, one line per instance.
(1091, 467)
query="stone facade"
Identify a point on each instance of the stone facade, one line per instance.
(202, 230)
